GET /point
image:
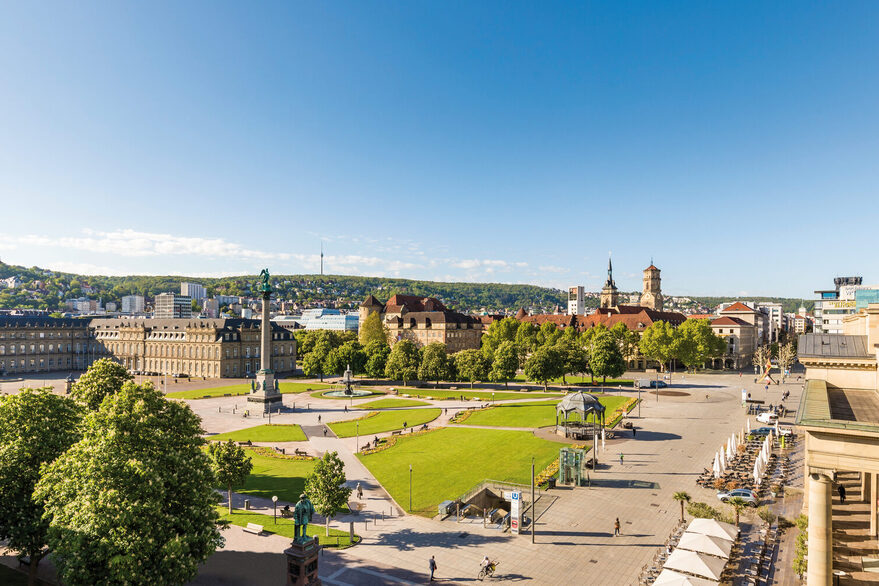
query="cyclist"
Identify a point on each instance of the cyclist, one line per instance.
(487, 566)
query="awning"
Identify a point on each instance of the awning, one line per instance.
(714, 529)
(698, 564)
(706, 544)
(672, 578)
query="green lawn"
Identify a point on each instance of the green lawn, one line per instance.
(284, 526)
(391, 404)
(581, 380)
(539, 414)
(385, 421)
(479, 394)
(448, 462)
(271, 476)
(320, 394)
(263, 433)
(243, 389)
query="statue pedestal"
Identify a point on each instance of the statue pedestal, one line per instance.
(268, 399)
(302, 563)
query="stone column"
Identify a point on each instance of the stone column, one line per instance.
(873, 491)
(820, 531)
(865, 487)
(265, 349)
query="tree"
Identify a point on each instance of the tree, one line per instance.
(696, 342)
(36, 427)
(403, 361)
(761, 359)
(315, 362)
(575, 357)
(231, 465)
(471, 365)
(657, 343)
(545, 364)
(800, 563)
(681, 497)
(786, 355)
(526, 340)
(373, 330)
(434, 362)
(737, 503)
(104, 377)
(500, 331)
(606, 360)
(348, 354)
(548, 334)
(132, 502)
(505, 363)
(377, 353)
(325, 486)
(626, 339)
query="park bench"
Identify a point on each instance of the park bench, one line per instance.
(281, 450)
(299, 452)
(398, 432)
(247, 443)
(253, 528)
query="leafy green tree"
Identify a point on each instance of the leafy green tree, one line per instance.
(505, 363)
(403, 361)
(231, 465)
(658, 343)
(36, 427)
(471, 365)
(325, 486)
(545, 364)
(526, 340)
(500, 331)
(626, 339)
(377, 353)
(314, 363)
(696, 343)
(682, 497)
(348, 354)
(575, 357)
(132, 502)
(434, 362)
(548, 334)
(373, 330)
(606, 360)
(801, 564)
(103, 378)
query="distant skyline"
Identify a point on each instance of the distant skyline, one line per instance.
(736, 145)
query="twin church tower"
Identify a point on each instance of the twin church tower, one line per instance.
(651, 296)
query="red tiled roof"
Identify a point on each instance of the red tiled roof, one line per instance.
(729, 321)
(651, 268)
(413, 303)
(738, 306)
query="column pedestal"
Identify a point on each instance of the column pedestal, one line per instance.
(820, 531)
(302, 561)
(873, 493)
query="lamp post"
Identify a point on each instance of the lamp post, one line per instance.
(357, 436)
(639, 401)
(275, 508)
(410, 488)
(533, 519)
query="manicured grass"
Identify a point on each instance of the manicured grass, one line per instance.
(284, 526)
(320, 394)
(384, 421)
(271, 476)
(242, 389)
(391, 404)
(448, 462)
(478, 394)
(263, 433)
(581, 380)
(539, 414)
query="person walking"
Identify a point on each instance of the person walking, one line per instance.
(359, 492)
(325, 432)
(621, 458)
(318, 418)
(432, 565)
(346, 408)
(634, 431)
(841, 490)
(616, 527)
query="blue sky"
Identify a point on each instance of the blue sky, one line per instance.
(734, 143)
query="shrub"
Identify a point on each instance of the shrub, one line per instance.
(703, 511)
(800, 564)
(765, 514)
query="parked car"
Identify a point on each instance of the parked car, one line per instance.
(767, 417)
(785, 431)
(745, 494)
(646, 383)
(762, 430)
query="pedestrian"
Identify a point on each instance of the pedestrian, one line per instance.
(359, 491)
(841, 490)
(346, 408)
(621, 458)
(634, 430)
(446, 411)
(318, 418)
(616, 527)
(432, 565)
(404, 425)
(375, 441)
(325, 432)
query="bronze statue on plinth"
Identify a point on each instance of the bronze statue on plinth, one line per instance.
(302, 514)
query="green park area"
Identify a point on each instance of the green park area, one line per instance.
(263, 433)
(392, 404)
(275, 475)
(381, 421)
(448, 462)
(582, 380)
(284, 526)
(537, 414)
(478, 394)
(242, 389)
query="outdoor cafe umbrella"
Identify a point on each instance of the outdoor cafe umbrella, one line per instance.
(694, 563)
(715, 467)
(757, 471)
(749, 426)
(722, 462)
(776, 427)
(672, 578)
(728, 450)
(714, 528)
(706, 544)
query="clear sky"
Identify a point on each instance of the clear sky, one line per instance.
(736, 144)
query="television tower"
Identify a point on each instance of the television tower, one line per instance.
(321, 258)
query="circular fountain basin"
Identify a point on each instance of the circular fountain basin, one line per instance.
(353, 393)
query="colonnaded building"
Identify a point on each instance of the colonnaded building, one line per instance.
(214, 348)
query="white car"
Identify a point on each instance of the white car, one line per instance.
(767, 417)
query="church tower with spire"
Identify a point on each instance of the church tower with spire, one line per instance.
(609, 293)
(652, 295)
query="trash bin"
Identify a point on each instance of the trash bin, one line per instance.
(246, 504)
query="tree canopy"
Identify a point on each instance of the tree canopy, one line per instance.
(325, 486)
(373, 330)
(545, 364)
(403, 361)
(103, 378)
(231, 465)
(471, 365)
(505, 363)
(434, 362)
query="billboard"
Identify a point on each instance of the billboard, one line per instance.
(515, 502)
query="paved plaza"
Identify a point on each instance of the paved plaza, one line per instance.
(677, 437)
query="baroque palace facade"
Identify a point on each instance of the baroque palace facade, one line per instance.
(213, 348)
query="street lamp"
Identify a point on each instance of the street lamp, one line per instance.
(275, 508)
(357, 436)
(410, 488)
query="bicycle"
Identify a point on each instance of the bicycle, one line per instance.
(487, 571)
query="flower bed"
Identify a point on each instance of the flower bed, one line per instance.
(617, 415)
(462, 415)
(390, 441)
(270, 453)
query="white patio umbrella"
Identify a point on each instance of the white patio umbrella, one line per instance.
(722, 462)
(749, 425)
(672, 578)
(728, 450)
(713, 528)
(698, 542)
(776, 427)
(757, 471)
(715, 467)
(698, 564)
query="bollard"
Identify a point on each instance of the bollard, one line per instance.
(351, 532)
(457, 512)
(246, 504)
(219, 410)
(484, 514)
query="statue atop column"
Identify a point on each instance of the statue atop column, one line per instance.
(265, 287)
(265, 389)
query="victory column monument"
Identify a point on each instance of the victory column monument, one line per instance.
(265, 389)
